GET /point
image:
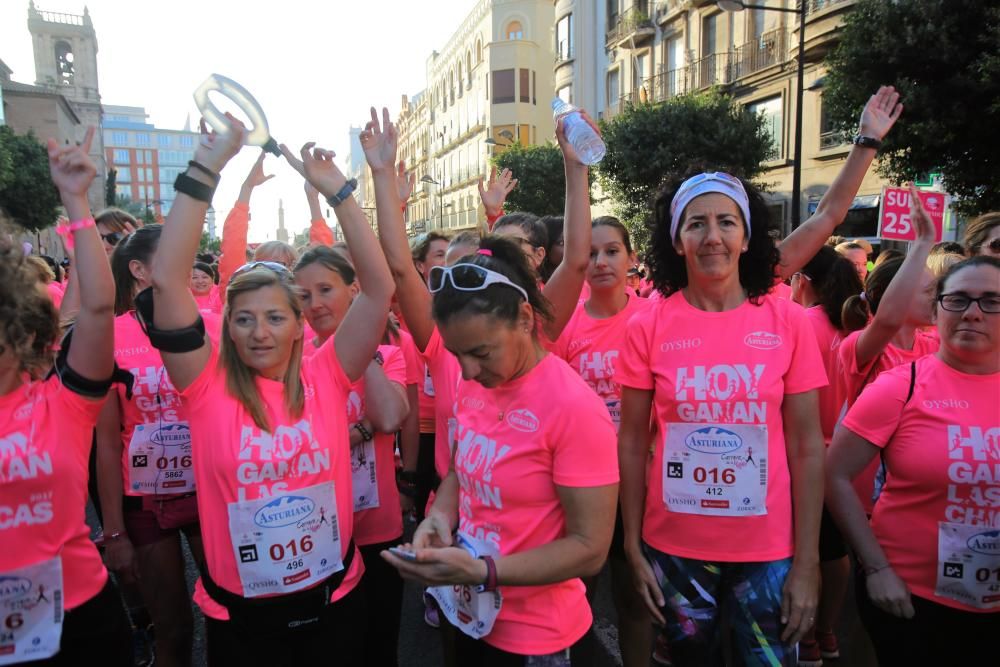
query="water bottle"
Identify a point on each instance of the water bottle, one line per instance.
(259, 135)
(587, 143)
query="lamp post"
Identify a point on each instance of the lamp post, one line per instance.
(426, 178)
(738, 6)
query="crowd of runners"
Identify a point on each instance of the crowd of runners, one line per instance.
(737, 425)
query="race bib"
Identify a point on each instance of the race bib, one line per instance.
(428, 382)
(469, 610)
(159, 459)
(363, 476)
(969, 565)
(31, 612)
(614, 406)
(715, 469)
(287, 542)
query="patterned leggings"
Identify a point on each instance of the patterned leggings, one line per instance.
(700, 593)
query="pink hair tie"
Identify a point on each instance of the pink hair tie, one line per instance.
(485, 251)
(66, 230)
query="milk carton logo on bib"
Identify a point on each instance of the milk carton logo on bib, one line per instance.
(284, 511)
(13, 587)
(713, 440)
(172, 435)
(762, 340)
(987, 542)
(523, 420)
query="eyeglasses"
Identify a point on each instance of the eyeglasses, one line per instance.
(468, 278)
(993, 246)
(959, 303)
(113, 238)
(280, 269)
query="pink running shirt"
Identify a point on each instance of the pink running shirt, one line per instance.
(385, 522)
(831, 397)
(592, 346)
(730, 370)
(445, 373)
(508, 469)
(45, 438)
(234, 460)
(942, 452)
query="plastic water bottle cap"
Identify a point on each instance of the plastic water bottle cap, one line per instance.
(259, 135)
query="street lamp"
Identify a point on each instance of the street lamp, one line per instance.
(426, 178)
(738, 6)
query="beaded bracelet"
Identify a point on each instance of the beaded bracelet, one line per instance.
(66, 230)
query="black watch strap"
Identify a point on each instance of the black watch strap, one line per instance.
(344, 193)
(194, 189)
(867, 142)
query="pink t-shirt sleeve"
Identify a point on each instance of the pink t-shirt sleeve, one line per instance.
(582, 455)
(875, 415)
(806, 370)
(202, 384)
(634, 368)
(394, 364)
(414, 362)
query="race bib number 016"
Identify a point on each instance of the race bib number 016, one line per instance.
(159, 459)
(31, 612)
(471, 611)
(715, 469)
(288, 542)
(968, 566)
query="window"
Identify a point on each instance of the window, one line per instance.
(479, 51)
(164, 140)
(771, 110)
(564, 38)
(64, 63)
(468, 67)
(525, 76)
(142, 192)
(149, 157)
(829, 135)
(640, 70)
(503, 86)
(565, 94)
(514, 30)
(614, 88)
(149, 174)
(142, 138)
(451, 87)
(119, 138)
(187, 141)
(121, 156)
(710, 35)
(124, 175)
(138, 157)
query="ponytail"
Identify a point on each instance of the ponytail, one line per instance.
(858, 309)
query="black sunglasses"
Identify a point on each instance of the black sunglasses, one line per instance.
(113, 238)
(993, 245)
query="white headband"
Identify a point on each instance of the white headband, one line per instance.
(701, 184)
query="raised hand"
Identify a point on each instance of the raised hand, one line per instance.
(379, 142)
(569, 153)
(71, 168)
(318, 167)
(256, 176)
(311, 192)
(922, 224)
(881, 113)
(496, 191)
(404, 183)
(216, 150)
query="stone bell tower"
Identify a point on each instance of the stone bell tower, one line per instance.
(65, 48)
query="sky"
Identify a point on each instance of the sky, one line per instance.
(315, 68)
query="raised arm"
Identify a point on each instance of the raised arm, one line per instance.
(494, 194)
(92, 352)
(319, 232)
(174, 305)
(877, 118)
(894, 306)
(386, 405)
(237, 224)
(563, 288)
(358, 336)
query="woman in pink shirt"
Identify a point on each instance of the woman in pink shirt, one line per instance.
(377, 406)
(203, 286)
(822, 287)
(591, 344)
(528, 504)
(57, 603)
(269, 442)
(929, 588)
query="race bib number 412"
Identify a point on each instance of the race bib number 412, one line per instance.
(715, 469)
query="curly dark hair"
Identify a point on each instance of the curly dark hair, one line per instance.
(667, 268)
(28, 318)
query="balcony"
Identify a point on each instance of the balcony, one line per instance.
(824, 19)
(633, 26)
(666, 9)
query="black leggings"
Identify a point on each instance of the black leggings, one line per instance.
(337, 638)
(469, 651)
(96, 632)
(384, 590)
(936, 635)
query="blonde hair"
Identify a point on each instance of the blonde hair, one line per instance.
(117, 220)
(240, 378)
(40, 268)
(276, 251)
(939, 263)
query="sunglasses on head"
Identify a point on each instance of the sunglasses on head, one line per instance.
(280, 269)
(468, 278)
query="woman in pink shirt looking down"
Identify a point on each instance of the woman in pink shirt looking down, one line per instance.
(930, 573)
(268, 428)
(58, 604)
(528, 504)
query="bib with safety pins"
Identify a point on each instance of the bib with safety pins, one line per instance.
(159, 459)
(363, 476)
(969, 565)
(715, 469)
(31, 612)
(471, 611)
(286, 542)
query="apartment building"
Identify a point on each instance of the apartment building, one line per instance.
(655, 50)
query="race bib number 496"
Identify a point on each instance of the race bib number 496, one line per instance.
(715, 469)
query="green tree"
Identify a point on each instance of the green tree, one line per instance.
(541, 178)
(27, 194)
(208, 244)
(648, 143)
(943, 56)
(111, 187)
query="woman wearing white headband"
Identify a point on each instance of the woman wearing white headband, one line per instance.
(732, 373)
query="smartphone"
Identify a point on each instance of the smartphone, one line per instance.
(405, 554)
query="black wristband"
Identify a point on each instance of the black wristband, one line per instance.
(194, 189)
(205, 170)
(366, 435)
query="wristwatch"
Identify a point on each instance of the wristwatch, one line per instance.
(867, 142)
(344, 193)
(378, 358)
